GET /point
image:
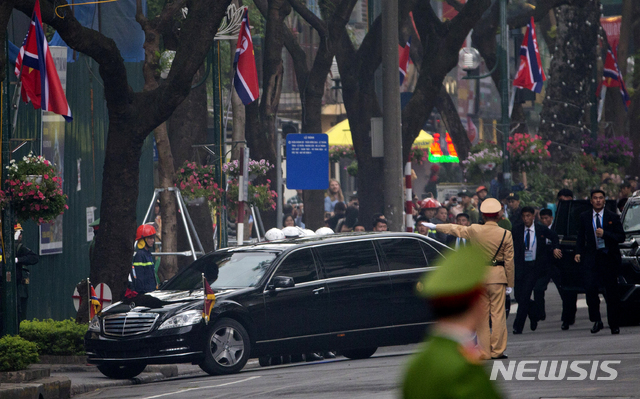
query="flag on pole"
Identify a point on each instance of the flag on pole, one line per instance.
(95, 306)
(530, 74)
(37, 72)
(209, 300)
(404, 59)
(612, 77)
(245, 79)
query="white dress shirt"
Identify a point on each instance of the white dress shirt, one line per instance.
(533, 243)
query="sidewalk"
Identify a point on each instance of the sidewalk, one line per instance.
(68, 380)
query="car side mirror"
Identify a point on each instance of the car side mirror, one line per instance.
(281, 282)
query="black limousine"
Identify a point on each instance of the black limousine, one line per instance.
(348, 292)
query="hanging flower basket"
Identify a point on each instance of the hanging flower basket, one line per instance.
(35, 189)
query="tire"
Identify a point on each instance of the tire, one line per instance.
(629, 314)
(276, 360)
(121, 372)
(363, 353)
(227, 348)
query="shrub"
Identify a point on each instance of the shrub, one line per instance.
(55, 337)
(17, 353)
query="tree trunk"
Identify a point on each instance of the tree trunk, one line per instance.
(114, 244)
(569, 87)
(166, 175)
(187, 127)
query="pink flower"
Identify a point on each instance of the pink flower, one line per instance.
(66, 206)
(46, 177)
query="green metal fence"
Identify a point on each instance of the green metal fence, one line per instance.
(54, 278)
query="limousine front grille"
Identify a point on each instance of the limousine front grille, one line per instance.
(124, 324)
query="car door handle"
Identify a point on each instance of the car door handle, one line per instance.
(318, 290)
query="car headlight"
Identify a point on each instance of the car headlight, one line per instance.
(183, 319)
(94, 324)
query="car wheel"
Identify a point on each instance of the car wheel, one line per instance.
(121, 372)
(276, 360)
(363, 353)
(227, 348)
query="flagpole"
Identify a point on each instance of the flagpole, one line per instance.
(603, 93)
(512, 100)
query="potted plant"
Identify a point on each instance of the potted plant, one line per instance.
(35, 189)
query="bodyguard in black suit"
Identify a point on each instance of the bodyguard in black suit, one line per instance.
(599, 233)
(531, 251)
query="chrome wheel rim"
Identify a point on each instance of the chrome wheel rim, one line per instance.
(227, 346)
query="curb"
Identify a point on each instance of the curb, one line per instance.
(144, 378)
(46, 388)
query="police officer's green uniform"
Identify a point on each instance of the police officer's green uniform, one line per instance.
(448, 366)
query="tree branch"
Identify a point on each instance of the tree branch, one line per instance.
(311, 18)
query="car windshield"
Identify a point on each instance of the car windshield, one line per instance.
(631, 220)
(235, 270)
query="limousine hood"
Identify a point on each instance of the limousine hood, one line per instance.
(165, 302)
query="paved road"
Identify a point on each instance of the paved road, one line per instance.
(379, 377)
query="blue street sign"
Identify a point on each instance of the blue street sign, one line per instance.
(307, 161)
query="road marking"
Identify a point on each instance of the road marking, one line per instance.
(207, 387)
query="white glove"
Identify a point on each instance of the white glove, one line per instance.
(16, 260)
(430, 226)
(509, 290)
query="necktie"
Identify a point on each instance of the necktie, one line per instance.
(527, 239)
(598, 224)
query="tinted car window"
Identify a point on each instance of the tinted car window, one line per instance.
(631, 221)
(433, 254)
(300, 266)
(232, 269)
(401, 254)
(348, 259)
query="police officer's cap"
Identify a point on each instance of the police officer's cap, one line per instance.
(513, 196)
(464, 193)
(490, 205)
(461, 273)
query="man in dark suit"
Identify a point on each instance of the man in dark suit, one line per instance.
(599, 233)
(530, 255)
(454, 242)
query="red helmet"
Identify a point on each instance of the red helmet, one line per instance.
(430, 203)
(146, 230)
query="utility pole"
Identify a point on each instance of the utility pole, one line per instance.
(10, 288)
(391, 122)
(505, 121)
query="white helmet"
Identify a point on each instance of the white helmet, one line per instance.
(323, 231)
(292, 232)
(309, 232)
(274, 234)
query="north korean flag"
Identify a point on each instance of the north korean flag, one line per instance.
(404, 59)
(530, 74)
(612, 77)
(245, 79)
(37, 72)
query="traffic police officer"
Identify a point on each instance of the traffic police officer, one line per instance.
(496, 244)
(24, 257)
(448, 366)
